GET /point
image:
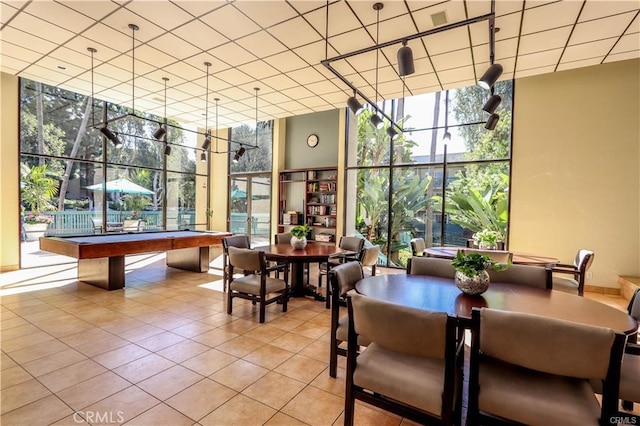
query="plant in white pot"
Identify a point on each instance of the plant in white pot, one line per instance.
(487, 239)
(471, 271)
(299, 236)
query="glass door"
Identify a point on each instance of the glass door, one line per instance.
(250, 207)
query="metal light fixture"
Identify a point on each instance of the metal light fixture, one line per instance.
(490, 76)
(392, 133)
(239, 154)
(447, 135)
(375, 118)
(492, 121)
(405, 60)
(203, 157)
(207, 140)
(158, 134)
(161, 133)
(167, 149)
(117, 143)
(354, 104)
(492, 103)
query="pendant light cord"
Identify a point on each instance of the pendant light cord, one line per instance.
(134, 28)
(377, 42)
(216, 99)
(206, 100)
(256, 89)
(93, 111)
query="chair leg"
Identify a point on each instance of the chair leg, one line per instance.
(229, 302)
(262, 311)
(627, 405)
(349, 406)
(285, 299)
(328, 295)
(333, 358)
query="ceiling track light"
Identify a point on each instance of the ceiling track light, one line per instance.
(492, 104)
(167, 149)
(393, 134)
(354, 104)
(405, 60)
(117, 143)
(162, 130)
(492, 121)
(376, 121)
(207, 140)
(203, 157)
(239, 153)
(490, 76)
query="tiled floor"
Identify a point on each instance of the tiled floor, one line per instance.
(163, 351)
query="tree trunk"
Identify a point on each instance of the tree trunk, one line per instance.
(74, 151)
(40, 124)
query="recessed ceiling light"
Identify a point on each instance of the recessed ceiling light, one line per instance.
(60, 67)
(439, 18)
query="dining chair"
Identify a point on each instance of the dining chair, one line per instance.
(630, 370)
(240, 241)
(574, 283)
(370, 258)
(418, 246)
(530, 369)
(430, 266)
(285, 238)
(257, 285)
(343, 279)
(500, 256)
(412, 367)
(354, 246)
(534, 276)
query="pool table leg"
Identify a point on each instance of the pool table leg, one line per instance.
(104, 272)
(194, 259)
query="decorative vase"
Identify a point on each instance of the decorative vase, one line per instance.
(33, 231)
(298, 243)
(472, 285)
(487, 246)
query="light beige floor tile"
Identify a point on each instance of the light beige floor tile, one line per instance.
(268, 356)
(315, 407)
(120, 407)
(239, 326)
(302, 314)
(329, 384)
(13, 376)
(120, 356)
(35, 336)
(209, 362)
(312, 330)
(240, 346)
(38, 350)
(65, 326)
(264, 333)
(16, 321)
(292, 342)
(274, 390)
(239, 375)
(286, 322)
(92, 390)
(41, 412)
(6, 361)
(365, 416)
(318, 350)
(192, 329)
(301, 368)
(72, 375)
(214, 337)
(161, 414)
(53, 362)
(240, 410)
(169, 382)
(21, 394)
(201, 399)
(182, 351)
(143, 368)
(140, 333)
(280, 419)
(160, 341)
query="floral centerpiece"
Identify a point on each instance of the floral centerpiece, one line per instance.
(38, 218)
(299, 236)
(487, 239)
(471, 271)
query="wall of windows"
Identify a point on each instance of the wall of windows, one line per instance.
(421, 185)
(74, 175)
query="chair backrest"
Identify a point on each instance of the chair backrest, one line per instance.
(354, 244)
(400, 328)
(131, 224)
(418, 246)
(634, 306)
(430, 266)
(534, 276)
(240, 241)
(499, 256)
(545, 344)
(344, 277)
(583, 261)
(246, 259)
(283, 238)
(370, 256)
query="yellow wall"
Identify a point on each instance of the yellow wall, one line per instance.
(218, 182)
(9, 184)
(575, 180)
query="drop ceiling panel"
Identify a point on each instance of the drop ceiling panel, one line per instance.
(540, 59)
(174, 46)
(279, 82)
(41, 28)
(201, 35)
(315, 52)
(551, 15)
(6, 12)
(286, 61)
(162, 13)
(456, 59)
(623, 56)
(597, 49)
(233, 54)
(541, 42)
(266, 13)
(234, 77)
(121, 19)
(294, 33)
(56, 14)
(105, 35)
(601, 28)
(94, 9)
(324, 87)
(306, 76)
(455, 75)
(17, 51)
(261, 44)
(394, 28)
(535, 71)
(126, 62)
(231, 22)
(111, 71)
(578, 64)
(258, 69)
(455, 39)
(352, 41)
(597, 9)
(151, 55)
(627, 43)
(197, 63)
(341, 19)
(80, 45)
(454, 12)
(65, 68)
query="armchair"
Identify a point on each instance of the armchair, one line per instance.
(576, 272)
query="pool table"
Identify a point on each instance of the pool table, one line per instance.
(101, 257)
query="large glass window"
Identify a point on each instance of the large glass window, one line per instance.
(83, 184)
(423, 185)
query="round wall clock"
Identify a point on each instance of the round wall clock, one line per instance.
(312, 140)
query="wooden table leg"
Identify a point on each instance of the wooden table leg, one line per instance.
(103, 272)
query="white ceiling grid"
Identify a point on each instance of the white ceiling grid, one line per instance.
(277, 45)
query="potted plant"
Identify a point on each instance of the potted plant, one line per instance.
(471, 271)
(38, 189)
(487, 239)
(299, 236)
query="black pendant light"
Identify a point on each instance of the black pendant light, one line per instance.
(492, 121)
(405, 60)
(490, 76)
(117, 143)
(375, 118)
(393, 134)
(354, 104)
(161, 133)
(492, 103)
(207, 140)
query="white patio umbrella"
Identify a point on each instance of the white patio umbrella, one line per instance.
(122, 186)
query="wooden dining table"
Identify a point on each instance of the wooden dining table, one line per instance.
(442, 295)
(297, 258)
(518, 258)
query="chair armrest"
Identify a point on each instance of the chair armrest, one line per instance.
(277, 267)
(632, 349)
(564, 270)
